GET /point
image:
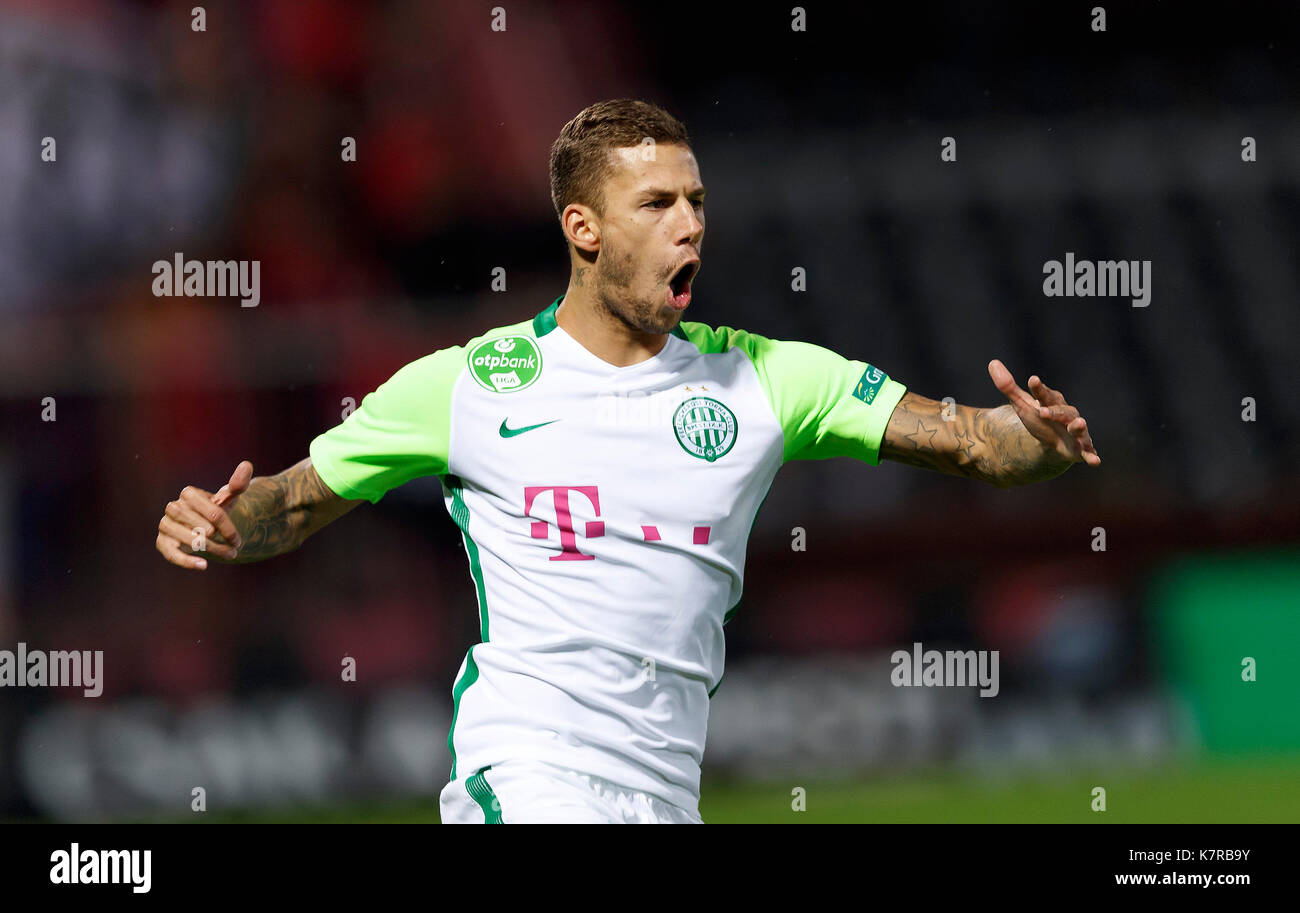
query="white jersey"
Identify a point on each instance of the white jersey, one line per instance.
(605, 512)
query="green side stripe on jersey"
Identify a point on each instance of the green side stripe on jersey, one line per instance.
(460, 515)
(544, 322)
(717, 686)
(468, 678)
(481, 792)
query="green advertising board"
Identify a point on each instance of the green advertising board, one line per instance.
(1226, 629)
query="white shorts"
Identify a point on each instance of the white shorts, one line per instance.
(534, 792)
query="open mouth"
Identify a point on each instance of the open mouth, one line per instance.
(679, 286)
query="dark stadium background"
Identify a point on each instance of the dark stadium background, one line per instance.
(1120, 668)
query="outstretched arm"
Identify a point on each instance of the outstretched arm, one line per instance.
(1030, 439)
(248, 519)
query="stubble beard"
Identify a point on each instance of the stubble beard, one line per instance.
(614, 275)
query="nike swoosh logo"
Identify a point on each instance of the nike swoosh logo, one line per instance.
(511, 432)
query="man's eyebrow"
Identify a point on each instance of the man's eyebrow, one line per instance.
(665, 192)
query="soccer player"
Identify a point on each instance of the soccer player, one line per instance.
(605, 460)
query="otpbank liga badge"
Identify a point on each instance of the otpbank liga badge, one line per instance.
(506, 364)
(705, 428)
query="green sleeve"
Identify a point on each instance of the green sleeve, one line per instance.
(400, 432)
(828, 405)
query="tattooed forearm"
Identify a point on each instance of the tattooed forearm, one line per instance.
(986, 444)
(918, 434)
(275, 514)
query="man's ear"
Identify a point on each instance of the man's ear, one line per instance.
(582, 227)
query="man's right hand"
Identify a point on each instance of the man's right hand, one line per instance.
(197, 522)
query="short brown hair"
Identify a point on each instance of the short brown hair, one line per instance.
(580, 162)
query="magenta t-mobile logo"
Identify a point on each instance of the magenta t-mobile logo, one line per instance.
(541, 529)
(564, 519)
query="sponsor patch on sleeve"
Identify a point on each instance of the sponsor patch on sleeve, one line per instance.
(869, 384)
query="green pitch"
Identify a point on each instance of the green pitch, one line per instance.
(1239, 792)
